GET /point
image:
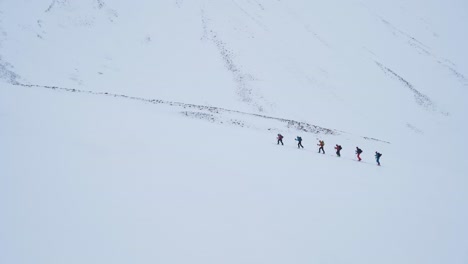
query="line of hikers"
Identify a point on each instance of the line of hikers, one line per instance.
(338, 148)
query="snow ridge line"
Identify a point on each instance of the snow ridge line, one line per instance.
(420, 98)
(303, 126)
(424, 49)
(300, 126)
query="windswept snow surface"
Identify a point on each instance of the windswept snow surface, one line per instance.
(144, 132)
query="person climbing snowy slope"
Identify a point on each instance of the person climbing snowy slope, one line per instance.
(299, 142)
(358, 152)
(338, 149)
(377, 157)
(321, 144)
(280, 139)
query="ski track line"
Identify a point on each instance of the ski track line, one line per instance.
(301, 126)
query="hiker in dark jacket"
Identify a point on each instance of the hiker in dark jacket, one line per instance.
(377, 157)
(358, 152)
(299, 142)
(280, 139)
(338, 149)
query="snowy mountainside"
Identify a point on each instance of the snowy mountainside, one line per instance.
(104, 179)
(243, 55)
(145, 131)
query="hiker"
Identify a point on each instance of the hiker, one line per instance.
(358, 152)
(321, 144)
(377, 157)
(280, 139)
(299, 142)
(338, 149)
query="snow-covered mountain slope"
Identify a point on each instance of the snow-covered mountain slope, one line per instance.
(296, 58)
(103, 179)
(145, 132)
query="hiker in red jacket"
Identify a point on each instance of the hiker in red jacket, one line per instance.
(358, 152)
(280, 139)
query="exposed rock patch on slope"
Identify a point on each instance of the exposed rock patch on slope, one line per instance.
(86, 19)
(243, 79)
(420, 98)
(423, 49)
(6, 72)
